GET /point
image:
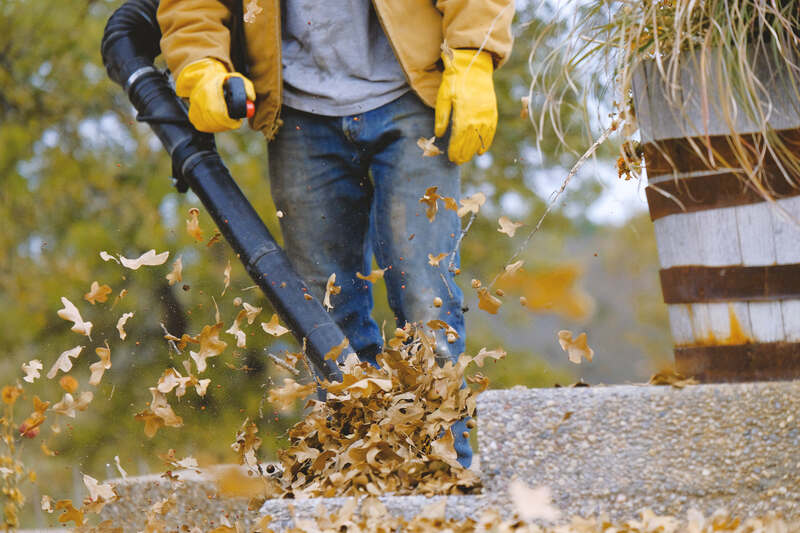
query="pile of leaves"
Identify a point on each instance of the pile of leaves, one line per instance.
(384, 429)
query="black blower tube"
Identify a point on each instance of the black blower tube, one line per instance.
(130, 44)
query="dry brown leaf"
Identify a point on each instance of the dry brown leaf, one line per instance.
(69, 406)
(525, 101)
(428, 146)
(273, 327)
(176, 274)
(444, 448)
(71, 313)
(430, 200)
(433, 260)
(252, 10)
(514, 267)
(31, 369)
(70, 514)
(121, 470)
(99, 491)
(471, 204)
(210, 345)
(488, 302)
(149, 258)
(480, 380)
(47, 503)
(97, 293)
(576, 349)
(235, 330)
(374, 276)
(158, 415)
(671, 377)
(507, 226)
(334, 353)
(247, 443)
(534, 504)
(285, 396)
(495, 354)
(121, 324)
(98, 368)
(330, 289)
(68, 383)
(10, 393)
(193, 225)
(226, 278)
(63, 362)
(105, 256)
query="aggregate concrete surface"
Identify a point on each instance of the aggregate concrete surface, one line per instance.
(619, 449)
(614, 450)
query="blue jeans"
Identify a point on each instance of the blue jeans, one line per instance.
(349, 187)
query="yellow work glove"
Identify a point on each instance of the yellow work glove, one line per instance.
(201, 82)
(468, 90)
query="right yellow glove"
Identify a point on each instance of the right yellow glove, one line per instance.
(201, 82)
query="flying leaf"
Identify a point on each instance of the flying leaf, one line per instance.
(69, 406)
(193, 225)
(330, 288)
(70, 513)
(121, 470)
(71, 313)
(172, 379)
(99, 491)
(480, 380)
(63, 362)
(533, 504)
(252, 312)
(284, 397)
(68, 383)
(507, 226)
(47, 503)
(158, 415)
(430, 200)
(273, 327)
(488, 302)
(97, 293)
(471, 204)
(210, 345)
(576, 349)
(105, 256)
(252, 9)
(99, 367)
(450, 203)
(241, 336)
(334, 353)
(226, 278)
(176, 274)
(31, 369)
(201, 386)
(496, 354)
(428, 146)
(121, 324)
(433, 260)
(149, 258)
(374, 276)
(525, 101)
(514, 267)
(444, 448)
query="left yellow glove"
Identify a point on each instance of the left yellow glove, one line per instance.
(201, 82)
(468, 90)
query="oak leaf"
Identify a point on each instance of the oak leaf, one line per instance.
(330, 289)
(534, 504)
(63, 362)
(99, 491)
(252, 9)
(514, 267)
(176, 274)
(121, 324)
(105, 256)
(507, 226)
(334, 353)
(97, 293)
(428, 146)
(69, 406)
(70, 513)
(31, 369)
(285, 396)
(210, 345)
(576, 349)
(373, 276)
(252, 311)
(430, 200)
(433, 260)
(488, 302)
(226, 278)
(273, 327)
(98, 368)
(235, 330)
(483, 354)
(193, 225)
(149, 258)
(471, 204)
(71, 313)
(68, 383)
(444, 448)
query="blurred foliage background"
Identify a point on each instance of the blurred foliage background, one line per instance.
(79, 175)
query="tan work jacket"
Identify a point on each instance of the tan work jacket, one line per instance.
(196, 29)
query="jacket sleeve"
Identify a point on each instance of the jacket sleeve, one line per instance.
(468, 23)
(193, 30)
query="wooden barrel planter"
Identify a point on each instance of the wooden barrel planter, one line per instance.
(730, 261)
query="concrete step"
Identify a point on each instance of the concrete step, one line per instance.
(614, 450)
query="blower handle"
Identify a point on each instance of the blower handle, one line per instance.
(236, 99)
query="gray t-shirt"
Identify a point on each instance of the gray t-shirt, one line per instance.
(337, 60)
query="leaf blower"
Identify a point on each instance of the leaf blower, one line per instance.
(131, 42)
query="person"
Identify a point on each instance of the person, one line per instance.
(343, 91)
